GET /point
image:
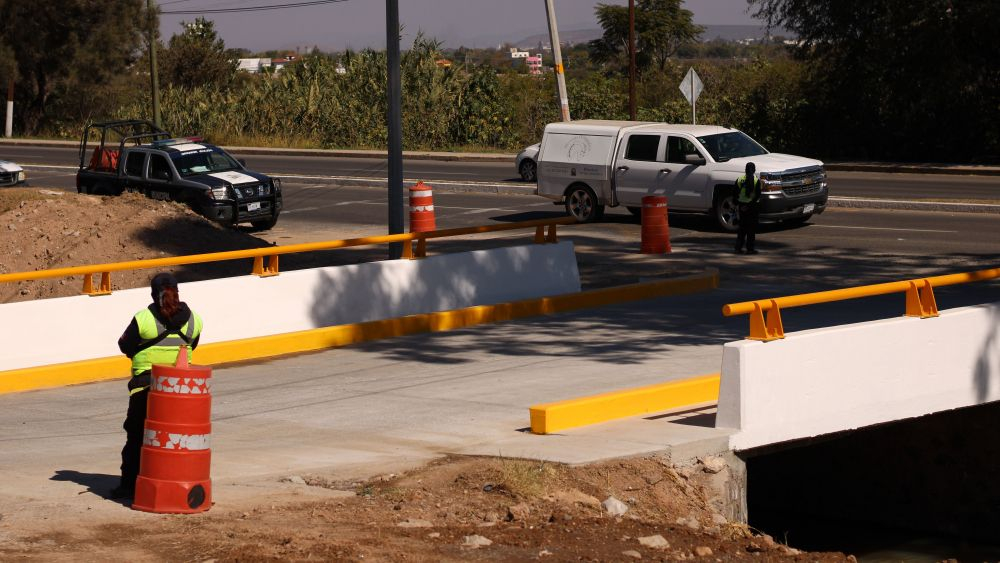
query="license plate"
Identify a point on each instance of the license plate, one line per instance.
(253, 206)
(808, 208)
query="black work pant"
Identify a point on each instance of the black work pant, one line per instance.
(135, 421)
(749, 216)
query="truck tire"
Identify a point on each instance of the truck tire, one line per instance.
(528, 170)
(724, 210)
(637, 211)
(265, 224)
(98, 189)
(582, 204)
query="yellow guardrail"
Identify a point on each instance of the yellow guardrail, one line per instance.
(920, 300)
(270, 268)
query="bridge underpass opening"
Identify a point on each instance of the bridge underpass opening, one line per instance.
(920, 489)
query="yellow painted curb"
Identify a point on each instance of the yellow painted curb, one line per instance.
(553, 417)
(101, 369)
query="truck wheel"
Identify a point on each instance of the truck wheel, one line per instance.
(582, 204)
(265, 224)
(724, 210)
(528, 170)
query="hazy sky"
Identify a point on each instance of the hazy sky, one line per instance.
(361, 23)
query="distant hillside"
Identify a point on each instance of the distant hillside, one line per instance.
(726, 32)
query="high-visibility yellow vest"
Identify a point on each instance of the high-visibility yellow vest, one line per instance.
(165, 351)
(746, 190)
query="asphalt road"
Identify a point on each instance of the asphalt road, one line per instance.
(848, 184)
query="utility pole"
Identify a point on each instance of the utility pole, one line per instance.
(631, 59)
(153, 76)
(394, 122)
(557, 55)
(8, 129)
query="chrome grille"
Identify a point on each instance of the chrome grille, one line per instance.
(8, 177)
(803, 190)
(249, 192)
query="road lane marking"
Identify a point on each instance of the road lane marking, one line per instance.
(883, 229)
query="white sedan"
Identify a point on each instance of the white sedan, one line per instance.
(527, 163)
(11, 174)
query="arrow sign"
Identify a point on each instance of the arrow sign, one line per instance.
(691, 87)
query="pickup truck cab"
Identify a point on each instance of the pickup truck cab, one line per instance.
(589, 164)
(203, 176)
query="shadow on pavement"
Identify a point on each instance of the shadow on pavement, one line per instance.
(98, 484)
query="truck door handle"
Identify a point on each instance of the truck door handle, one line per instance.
(665, 171)
(623, 168)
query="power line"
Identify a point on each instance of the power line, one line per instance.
(254, 8)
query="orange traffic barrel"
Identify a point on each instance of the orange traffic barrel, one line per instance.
(655, 230)
(175, 461)
(421, 208)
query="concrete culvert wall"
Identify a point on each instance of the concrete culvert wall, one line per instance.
(930, 481)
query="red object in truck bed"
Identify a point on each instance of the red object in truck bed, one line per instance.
(105, 159)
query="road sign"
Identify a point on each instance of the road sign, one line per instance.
(691, 87)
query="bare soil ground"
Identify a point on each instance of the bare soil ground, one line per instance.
(455, 509)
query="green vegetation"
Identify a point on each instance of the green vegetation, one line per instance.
(867, 81)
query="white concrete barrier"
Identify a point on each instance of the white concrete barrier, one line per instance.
(67, 329)
(828, 380)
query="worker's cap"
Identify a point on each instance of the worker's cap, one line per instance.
(162, 281)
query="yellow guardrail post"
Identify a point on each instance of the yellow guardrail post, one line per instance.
(104, 288)
(421, 251)
(540, 234)
(408, 249)
(769, 329)
(265, 271)
(920, 300)
(552, 234)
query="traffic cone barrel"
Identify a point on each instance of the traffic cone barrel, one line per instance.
(421, 208)
(174, 471)
(655, 230)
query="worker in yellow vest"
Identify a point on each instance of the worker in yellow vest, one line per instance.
(154, 336)
(748, 209)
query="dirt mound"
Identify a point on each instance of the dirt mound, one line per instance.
(456, 509)
(45, 229)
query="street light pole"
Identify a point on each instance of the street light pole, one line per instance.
(557, 55)
(153, 77)
(394, 122)
(631, 59)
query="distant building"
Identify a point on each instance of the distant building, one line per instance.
(254, 66)
(443, 63)
(517, 54)
(534, 64)
(340, 69)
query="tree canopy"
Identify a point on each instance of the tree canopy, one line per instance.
(65, 49)
(197, 57)
(661, 28)
(914, 80)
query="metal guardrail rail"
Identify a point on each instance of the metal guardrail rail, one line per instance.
(920, 300)
(270, 268)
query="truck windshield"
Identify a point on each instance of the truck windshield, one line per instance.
(203, 161)
(725, 146)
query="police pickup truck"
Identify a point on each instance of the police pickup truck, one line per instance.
(138, 156)
(589, 164)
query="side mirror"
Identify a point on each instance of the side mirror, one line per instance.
(695, 159)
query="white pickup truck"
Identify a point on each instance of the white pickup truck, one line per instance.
(590, 164)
